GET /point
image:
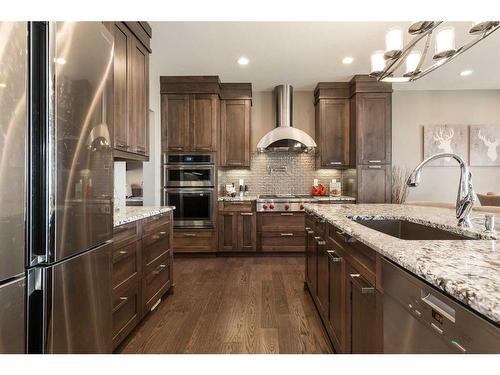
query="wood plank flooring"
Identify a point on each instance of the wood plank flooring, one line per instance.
(233, 305)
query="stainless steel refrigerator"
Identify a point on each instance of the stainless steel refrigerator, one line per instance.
(56, 187)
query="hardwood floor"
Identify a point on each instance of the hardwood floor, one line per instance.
(233, 305)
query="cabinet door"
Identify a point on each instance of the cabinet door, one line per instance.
(337, 299)
(322, 291)
(373, 128)
(333, 133)
(203, 122)
(139, 102)
(374, 183)
(175, 123)
(121, 76)
(362, 313)
(228, 231)
(235, 133)
(311, 261)
(247, 231)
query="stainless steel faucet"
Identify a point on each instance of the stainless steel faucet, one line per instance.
(465, 196)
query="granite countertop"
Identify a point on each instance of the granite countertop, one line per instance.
(254, 197)
(248, 198)
(129, 214)
(467, 270)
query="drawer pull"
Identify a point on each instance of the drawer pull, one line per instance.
(346, 237)
(354, 275)
(367, 290)
(375, 161)
(334, 257)
(163, 233)
(123, 301)
(310, 231)
(374, 167)
(286, 234)
(189, 234)
(246, 213)
(321, 243)
(123, 252)
(286, 214)
(159, 269)
(335, 162)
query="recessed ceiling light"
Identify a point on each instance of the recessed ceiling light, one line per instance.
(243, 60)
(466, 73)
(60, 60)
(347, 60)
(2, 85)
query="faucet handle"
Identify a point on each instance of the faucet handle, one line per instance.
(489, 223)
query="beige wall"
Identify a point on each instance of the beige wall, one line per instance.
(263, 121)
(413, 109)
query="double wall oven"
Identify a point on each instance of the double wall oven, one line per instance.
(189, 185)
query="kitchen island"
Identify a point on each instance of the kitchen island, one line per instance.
(464, 269)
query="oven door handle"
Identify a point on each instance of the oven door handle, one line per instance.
(187, 190)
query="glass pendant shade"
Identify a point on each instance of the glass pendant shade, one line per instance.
(412, 62)
(393, 42)
(378, 62)
(445, 43)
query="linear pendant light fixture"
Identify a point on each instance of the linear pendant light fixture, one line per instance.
(385, 63)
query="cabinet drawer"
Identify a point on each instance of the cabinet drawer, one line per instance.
(282, 221)
(125, 233)
(153, 246)
(126, 263)
(125, 312)
(151, 224)
(244, 206)
(193, 241)
(283, 241)
(157, 281)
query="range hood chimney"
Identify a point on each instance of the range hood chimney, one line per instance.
(285, 137)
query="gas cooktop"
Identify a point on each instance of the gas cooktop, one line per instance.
(283, 202)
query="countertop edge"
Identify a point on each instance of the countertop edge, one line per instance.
(130, 214)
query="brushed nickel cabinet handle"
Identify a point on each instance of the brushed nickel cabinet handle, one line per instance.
(123, 252)
(374, 167)
(246, 213)
(321, 243)
(310, 232)
(286, 214)
(354, 275)
(367, 290)
(189, 234)
(374, 161)
(159, 269)
(335, 162)
(123, 301)
(162, 233)
(307, 229)
(286, 234)
(334, 257)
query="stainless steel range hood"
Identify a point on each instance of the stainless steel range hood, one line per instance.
(285, 137)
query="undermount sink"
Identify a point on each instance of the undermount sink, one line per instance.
(407, 230)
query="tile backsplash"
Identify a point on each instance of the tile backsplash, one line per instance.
(280, 173)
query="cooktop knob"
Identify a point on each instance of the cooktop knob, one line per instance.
(271, 206)
(287, 206)
(264, 206)
(301, 206)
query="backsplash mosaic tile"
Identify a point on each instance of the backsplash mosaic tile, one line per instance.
(279, 173)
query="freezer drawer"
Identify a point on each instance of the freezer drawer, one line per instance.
(75, 299)
(12, 317)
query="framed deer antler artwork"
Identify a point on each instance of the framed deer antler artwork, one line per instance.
(485, 145)
(445, 138)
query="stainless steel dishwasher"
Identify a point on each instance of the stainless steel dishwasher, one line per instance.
(420, 319)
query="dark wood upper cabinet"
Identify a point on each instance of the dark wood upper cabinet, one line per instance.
(236, 105)
(139, 102)
(332, 123)
(122, 38)
(131, 90)
(190, 113)
(373, 127)
(175, 122)
(235, 133)
(203, 122)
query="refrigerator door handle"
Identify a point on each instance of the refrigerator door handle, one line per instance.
(37, 309)
(41, 187)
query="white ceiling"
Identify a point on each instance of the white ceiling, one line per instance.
(304, 53)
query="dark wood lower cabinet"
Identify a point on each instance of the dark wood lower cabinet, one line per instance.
(142, 270)
(340, 274)
(237, 227)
